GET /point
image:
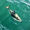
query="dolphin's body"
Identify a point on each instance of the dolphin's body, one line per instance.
(14, 15)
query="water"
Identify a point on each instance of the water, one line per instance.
(22, 8)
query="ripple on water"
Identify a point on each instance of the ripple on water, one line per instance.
(3, 27)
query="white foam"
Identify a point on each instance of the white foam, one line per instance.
(13, 1)
(10, 1)
(23, 1)
(16, 1)
(26, 3)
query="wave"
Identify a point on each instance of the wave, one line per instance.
(26, 3)
(13, 1)
(3, 27)
(23, 1)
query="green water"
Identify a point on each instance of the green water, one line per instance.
(22, 8)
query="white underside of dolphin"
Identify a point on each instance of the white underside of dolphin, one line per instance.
(16, 15)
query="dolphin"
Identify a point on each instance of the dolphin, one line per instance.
(14, 15)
